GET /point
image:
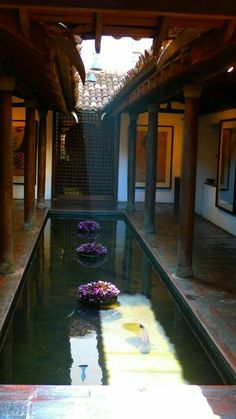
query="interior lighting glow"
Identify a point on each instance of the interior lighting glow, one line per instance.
(230, 69)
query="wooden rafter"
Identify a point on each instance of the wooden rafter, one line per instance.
(211, 8)
(24, 21)
(230, 27)
(98, 32)
(161, 33)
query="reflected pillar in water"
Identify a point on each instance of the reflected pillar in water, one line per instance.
(28, 304)
(146, 279)
(6, 357)
(40, 270)
(128, 260)
(44, 282)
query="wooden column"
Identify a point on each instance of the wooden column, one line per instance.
(131, 162)
(42, 158)
(192, 94)
(151, 169)
(6, 175)
(29, 170)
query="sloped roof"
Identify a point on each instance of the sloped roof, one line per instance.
(39, 44)
(93, 96)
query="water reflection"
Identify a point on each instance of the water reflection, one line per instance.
(91, 262)
(82, 374)
(55, 340)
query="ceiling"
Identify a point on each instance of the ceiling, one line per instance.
(41, 40)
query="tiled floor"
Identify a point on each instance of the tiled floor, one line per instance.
(210, 294)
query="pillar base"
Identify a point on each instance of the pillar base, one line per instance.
(184, 271)
(130, 207)
(41, 205)
(7, 268)
(28, 226)
(148, 229)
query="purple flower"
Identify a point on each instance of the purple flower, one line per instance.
(95, 249)
(88, 226)
(97, 292)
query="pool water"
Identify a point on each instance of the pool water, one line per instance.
(53, 339)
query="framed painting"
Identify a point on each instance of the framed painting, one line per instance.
(18, 137)
(226, 173)
(18, 141)
(164, 156)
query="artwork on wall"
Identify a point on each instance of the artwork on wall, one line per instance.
(225, 153)
(18, 136)
(164, 156)
(18, 141)
(226, 174)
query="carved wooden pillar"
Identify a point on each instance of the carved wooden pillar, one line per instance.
(42, 158)
(192, 94)
(29, 169)
(131, 162)
(151, 169)
(6, 175)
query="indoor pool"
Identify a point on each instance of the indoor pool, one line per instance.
(54, 339)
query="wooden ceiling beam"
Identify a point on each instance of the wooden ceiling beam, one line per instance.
(118, 18)
(27, 63)
(10, 26)
(178, 45)
(211, 42)
(161, 34)
(211, 8)
(230, 27)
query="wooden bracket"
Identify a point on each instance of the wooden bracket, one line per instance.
(98, 32)
(161, 32)
(24, 22)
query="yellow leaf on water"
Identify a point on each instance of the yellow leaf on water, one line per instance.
(132, 327)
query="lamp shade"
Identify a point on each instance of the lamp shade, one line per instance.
(96, 65)
(91, 77)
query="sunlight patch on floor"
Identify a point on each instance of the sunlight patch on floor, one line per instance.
(123, 341)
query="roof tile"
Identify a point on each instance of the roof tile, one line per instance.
(95, 95)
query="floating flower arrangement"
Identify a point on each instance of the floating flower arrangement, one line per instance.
(97, 293)
(88, 226)
(91, 249)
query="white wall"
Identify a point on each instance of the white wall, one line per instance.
(208, 139)
(162, 195)
(215, 214)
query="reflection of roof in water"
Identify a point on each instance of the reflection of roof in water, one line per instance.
(85, 320)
